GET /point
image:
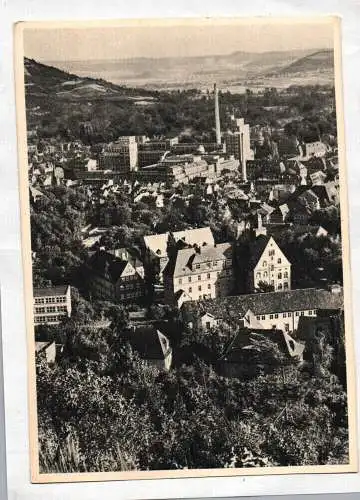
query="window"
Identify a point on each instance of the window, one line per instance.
(271, 252)
(199, 277)
(289, 315)
(264, 263)
(287, 327)
(302, 313)
(258, 275)
(263, 317)
(279, 286)
(258, 318)
(286, 285)
(276, 316)
(296, 314)
(279, 276)
(208, 326)
(190, 289)
(271, 316)
(199, 288)
(284, 315)
(208, 276)
(180, 281)
(279, 261)
(265, 274)
(286, 274)
(189, 279)
(197, 266)
(272, 267)
(310, 313)
(209, 286)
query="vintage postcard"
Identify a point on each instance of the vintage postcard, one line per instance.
(185, 248)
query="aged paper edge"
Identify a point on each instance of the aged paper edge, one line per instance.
(36, 477)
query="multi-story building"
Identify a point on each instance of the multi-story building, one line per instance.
(120, 156)
(52, 305)
(273, 310)
(115, 278)
(158, 245)
(202, 272)
(237, 143)
(267, 264)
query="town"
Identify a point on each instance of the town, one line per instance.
(224, 253)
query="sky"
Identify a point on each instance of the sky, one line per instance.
(122, 42)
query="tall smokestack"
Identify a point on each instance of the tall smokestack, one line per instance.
(217, 115)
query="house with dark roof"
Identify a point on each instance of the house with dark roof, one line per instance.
(115, 278)
(278, 310)
(45, 350)
(151, 345)
(252, 350)
(199, 273)
(51, 304)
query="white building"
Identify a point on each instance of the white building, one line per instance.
(269, 265)
(277, 310)
(52, 305)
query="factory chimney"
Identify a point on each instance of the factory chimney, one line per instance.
(217, 115)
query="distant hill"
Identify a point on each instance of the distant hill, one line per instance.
(188, 72)
(320, 61)
(43, 81)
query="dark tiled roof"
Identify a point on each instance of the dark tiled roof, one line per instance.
(107, 265)
(246, 339)
(235, 307)
(256, 249)
(50, 291)
(147, 341)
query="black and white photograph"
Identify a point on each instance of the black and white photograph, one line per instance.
(185, 243)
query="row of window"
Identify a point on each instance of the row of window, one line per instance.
(286, 314)
(50, 300)
(48, 319)
(265, 275)
(265, 262)
(227, 272)
(50, 309)
(199, 288)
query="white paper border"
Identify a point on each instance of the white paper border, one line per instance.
(13, 316)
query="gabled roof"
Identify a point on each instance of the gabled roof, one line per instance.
(149, 342)
(157, 243)
(185, 261)
(109, 266)
(235, 307)
(199, 236)
(247, 339)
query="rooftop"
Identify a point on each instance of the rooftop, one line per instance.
(235, 307)
(50, 291)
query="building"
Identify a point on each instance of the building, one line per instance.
(52, 305)
(237, 143)
(273, 310)
(120, 156)
(114, 278)
(203, 272)
(157, 245)
(267, 264)
(316, 148)
(251, 347)
(46, 350)
(151, 345)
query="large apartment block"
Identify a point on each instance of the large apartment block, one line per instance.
(199, 273)
(52, 305)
